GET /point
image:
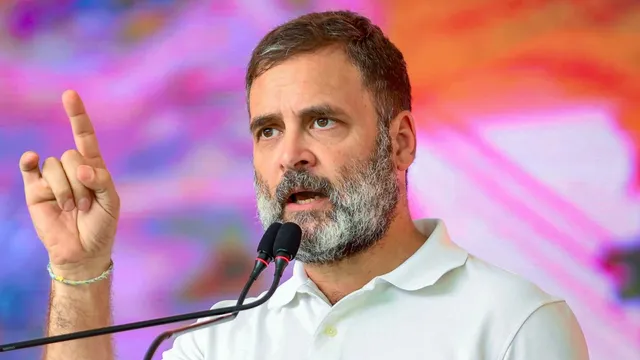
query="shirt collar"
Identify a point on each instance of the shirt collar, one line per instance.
(437, 256)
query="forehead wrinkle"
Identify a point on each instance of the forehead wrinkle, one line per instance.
(325, 76)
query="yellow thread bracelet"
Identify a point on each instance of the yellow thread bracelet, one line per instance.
(60, 279)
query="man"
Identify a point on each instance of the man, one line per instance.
(330, 106)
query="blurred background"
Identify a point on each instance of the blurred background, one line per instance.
(529, 133)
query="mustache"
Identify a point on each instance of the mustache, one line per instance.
(296, 179)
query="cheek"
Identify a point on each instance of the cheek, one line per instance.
(265, 174)
(339, 156)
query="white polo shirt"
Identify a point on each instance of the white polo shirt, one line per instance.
(442, 303)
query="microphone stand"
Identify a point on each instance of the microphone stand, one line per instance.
(145, 323)
(218, 320)
(285, 246)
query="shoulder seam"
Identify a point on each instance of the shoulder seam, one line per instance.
(512, 337)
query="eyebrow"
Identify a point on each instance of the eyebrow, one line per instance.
(315, 111)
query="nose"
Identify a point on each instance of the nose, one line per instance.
(295, 153)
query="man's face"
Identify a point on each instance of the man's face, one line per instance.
(321, 158)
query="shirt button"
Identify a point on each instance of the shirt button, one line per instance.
(330, 331)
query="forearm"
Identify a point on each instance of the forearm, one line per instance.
(77, 308)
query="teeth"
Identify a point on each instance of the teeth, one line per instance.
(307, 201)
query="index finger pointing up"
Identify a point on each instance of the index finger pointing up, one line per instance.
(83, 133)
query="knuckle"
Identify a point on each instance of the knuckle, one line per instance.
(79, 190)
(62, 193)
(106, 177)
(69, 155)
(116, 200)
(84, 133)
(49, 162)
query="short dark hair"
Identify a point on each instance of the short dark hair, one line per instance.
(381, 65)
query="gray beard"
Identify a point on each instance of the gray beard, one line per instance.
(364, 200)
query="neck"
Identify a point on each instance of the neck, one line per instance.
(337, 280)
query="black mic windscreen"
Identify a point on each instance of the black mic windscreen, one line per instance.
(288, 239)
(268, 239)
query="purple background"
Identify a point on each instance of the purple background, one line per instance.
(547, 189)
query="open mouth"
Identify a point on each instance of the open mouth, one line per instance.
(304, 197)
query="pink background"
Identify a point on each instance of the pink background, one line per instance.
(528, 129)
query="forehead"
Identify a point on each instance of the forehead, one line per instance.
(325, 76)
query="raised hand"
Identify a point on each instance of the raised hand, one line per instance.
(73, 202)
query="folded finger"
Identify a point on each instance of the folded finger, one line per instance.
(99, 180)
(36, 189)
(71, 160)
(29, 168)
(53, 173)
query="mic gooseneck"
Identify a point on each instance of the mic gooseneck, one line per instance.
(284, 247)
(264, 258)
(136, 325)
(218, 320)
(265, 251)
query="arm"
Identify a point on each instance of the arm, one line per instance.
(75, 208)
(77, 308)
(551, 332)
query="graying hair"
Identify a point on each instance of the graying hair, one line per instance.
(381, 65)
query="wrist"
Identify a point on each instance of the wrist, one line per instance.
(81, 271)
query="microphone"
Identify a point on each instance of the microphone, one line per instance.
(264, 258)
(290, 251)
(285, 248)
(286, 245)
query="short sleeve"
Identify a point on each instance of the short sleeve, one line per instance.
(185, 347)
(551, 332)
(193, 345)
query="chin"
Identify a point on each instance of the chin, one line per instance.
(307, 218)
(313, 254)
(310, 221)
(309, 229)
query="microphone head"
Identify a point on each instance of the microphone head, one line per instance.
(288, 240)
(268, 240)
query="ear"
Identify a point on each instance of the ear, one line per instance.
(403, 136)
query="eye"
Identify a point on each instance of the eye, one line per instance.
(323, 123)
(268, 132)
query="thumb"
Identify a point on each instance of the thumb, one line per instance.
(99, 180)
